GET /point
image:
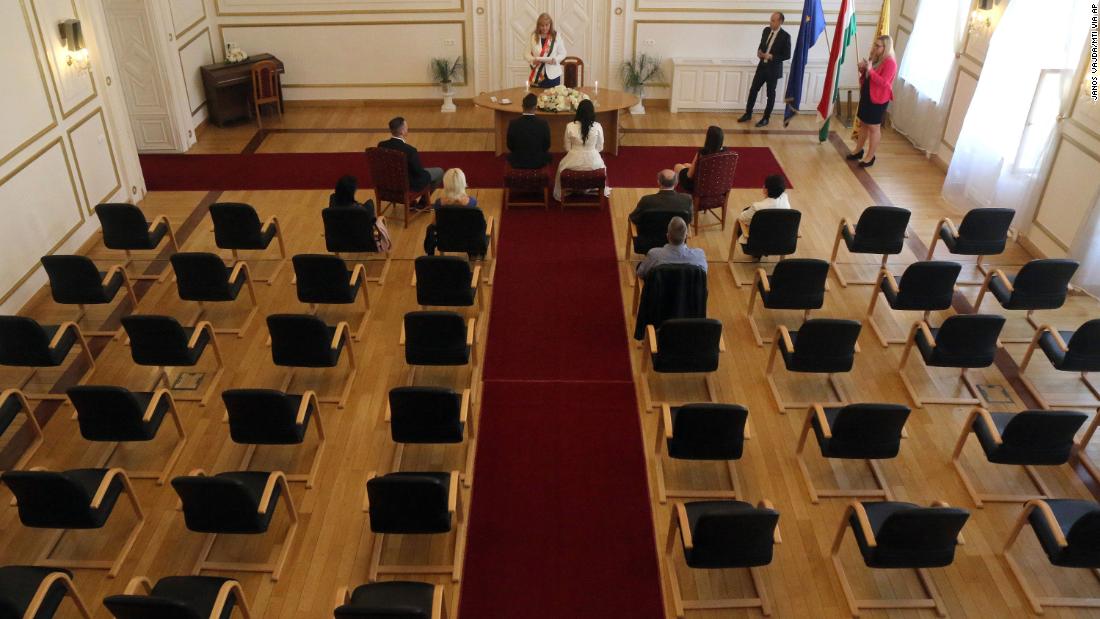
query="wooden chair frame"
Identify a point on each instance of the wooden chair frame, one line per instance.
(475, 283)
(490, 256)
(918, 401)
(43, 592)
(647, 366)
(678, 521)
(439, 601)
(173, 412)
(471, 341)
(844, 223)
(508, 202)
(341, 400)
(238, 268)
(664, 434)
(32, 423)
(1082, 447)
(309, 399)
(946, 221)
(471, 436)
(978, 497)
(381, 279)
(762, 278)
(171, 240)
(272, 221)
(127, 284)
(455, 507)
(202, 399)
(1029, 317)
(84, 351)
(783, 334)
(887, 276)
(142, 583)
(882, 489)
(359, 280)
(734, 238)
(256, 73)
(1030, 386)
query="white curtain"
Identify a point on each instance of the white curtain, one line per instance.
(1010, 126)
(1086, 250)
(919, 110)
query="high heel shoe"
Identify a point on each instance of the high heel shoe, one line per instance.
(867, 164)
(855, 156)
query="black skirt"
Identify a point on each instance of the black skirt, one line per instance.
(870, 113)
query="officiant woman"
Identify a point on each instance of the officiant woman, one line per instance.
(546, 53)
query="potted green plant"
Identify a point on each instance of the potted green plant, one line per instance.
(444, 72)
(635, 73)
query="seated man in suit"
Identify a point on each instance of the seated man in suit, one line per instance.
(419, 176)
(667, 199)
(529, 138)
(676, 251)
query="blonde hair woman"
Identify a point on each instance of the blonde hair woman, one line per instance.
(546, 52)
(454, 190)
(876, 90)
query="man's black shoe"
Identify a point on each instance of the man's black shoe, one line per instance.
(746, 117)
(763, 122)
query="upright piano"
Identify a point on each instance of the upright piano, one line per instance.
(229, 88)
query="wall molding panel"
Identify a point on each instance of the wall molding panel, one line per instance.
(253, 8)
(26, 97)
(186, 15)
(91, 144)
(75, 88)
(193, 55)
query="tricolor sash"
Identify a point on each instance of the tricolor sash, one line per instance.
(538, 71)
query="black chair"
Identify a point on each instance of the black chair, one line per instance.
(75, 499)
(819, 346)
(394, 598)
(1040, 284)
(1082, 444)
(867, 432)
(709, 432)
(925, 287)
(37, 592)
(774, 233)
(237, 227)
(896, 535)
(161, 341)
(880, 230)
(795, 284)
(179, 597)
(270, 417)
(439, 338)
(116, 415)
(431, 416)
(12, 402)
(324, 279)
(75, 280)
(202, 277)
(467, 230)
(669, 291)
(983, 232)
(305, 341)
(962, 342)
(650, 231)
(1029, 438)
(125, 227)
(1081, 354)
(447, 281)
(722, 535)
(415, 504)
(353, 231)
(682, 346)
(1067, 530)
(241, 502)
(25, 343)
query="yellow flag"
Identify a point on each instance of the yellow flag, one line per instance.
(883, 28)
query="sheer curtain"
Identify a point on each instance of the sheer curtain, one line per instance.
(1010, 126)
(1086, 250)
(919, 110)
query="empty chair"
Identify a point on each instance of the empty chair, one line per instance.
(709, 432)
(1040, 284)
(237, 227)
(304, 341)
(75, 280)
(819, 346)
(880, 230)
(774, 233)
(326, 280)
(866, 432)
(265, 88)
(1028, 438)
(355, 231)
(25, 343)
(722, 535)
(714, 176)
(962, 342)
(76, 499)
(983, 232)
(116, 415)
(1081, 354)
(1067, 530)
(896, 535)
(415, 504)
(12, 402)
(572, 72)
(925, 287)
(682, 346)
(202, 277)
(162, 342)
(389, 173)
(439, 338)
(37, 592)
(431, 416)
(270, 417)
(795, 284)
(651, 231)
(179, 597)
(669, 291)
(527, 187)
(125, 227)
(393, 598)
(447, 281)
(466, 230)
(584, 188)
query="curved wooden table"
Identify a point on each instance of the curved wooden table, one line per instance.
(608, 105)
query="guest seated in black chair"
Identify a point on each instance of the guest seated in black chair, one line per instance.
(344, 194)
(685, 172)
(419, 176)
(675, 251)
(775, 196)
(454, 190)
(529, 138)
(667, 199)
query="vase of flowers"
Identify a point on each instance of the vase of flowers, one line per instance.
(444, 72)
(560, 99)
(234, 54)
(635, 73)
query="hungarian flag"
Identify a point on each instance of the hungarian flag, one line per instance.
(883, 28)
(845, 32)
(813, 24)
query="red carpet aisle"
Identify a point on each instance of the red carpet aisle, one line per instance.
(560, 522)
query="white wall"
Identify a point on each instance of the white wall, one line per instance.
(192, 37)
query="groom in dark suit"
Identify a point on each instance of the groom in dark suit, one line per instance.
(774, 48)
(528, 138)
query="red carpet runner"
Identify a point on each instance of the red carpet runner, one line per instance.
(560, 522)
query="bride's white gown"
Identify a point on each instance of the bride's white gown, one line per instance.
(580, 155)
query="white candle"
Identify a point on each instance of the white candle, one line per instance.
(596, 90)
(527, 86)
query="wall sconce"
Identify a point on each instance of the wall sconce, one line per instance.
(72, 36)
(981, 20)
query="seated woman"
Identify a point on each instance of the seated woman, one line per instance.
(454, 190)
(775, 196)
(344, 195)
(713, 144)
(583, 143)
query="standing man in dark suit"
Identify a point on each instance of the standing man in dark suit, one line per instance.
(774, 48)
(419, 176)
(667, 199)
(529, 138)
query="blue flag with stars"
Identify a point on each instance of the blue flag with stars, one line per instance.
(812, 25)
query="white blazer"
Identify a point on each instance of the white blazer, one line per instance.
(553, 70)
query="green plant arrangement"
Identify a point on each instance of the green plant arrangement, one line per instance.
(635, 73)
(445, 71)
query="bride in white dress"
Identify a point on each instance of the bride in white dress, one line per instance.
(583, 143)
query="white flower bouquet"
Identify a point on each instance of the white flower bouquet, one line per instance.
(560, 99)
(234, 54)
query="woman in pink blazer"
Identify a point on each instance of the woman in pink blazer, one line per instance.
(876, 89)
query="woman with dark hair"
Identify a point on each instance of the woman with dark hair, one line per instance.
(713, 144)
(583, 143)
(344, 194)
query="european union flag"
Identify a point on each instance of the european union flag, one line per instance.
(812, 25)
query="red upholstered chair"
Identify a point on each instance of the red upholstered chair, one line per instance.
(577, 187)
(572, 72)
(523, 187)
(389, 172)
(713, 181)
